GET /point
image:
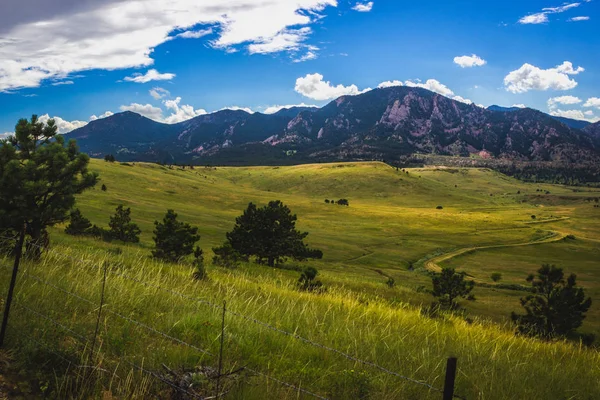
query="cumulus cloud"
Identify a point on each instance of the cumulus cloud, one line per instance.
(563, 100)
(577, 19)
(469, 61)
(106, 114)
(431, 84)
(387, 84)
(180, 113)
(116, 34)
(158, 93)
(63, 126)
(363, 7)
(5, 135)
(542, 17)
(313, 86)
(150, 75)
(276, 108)
(592, 102)
(529, 77)
(236, 108)
(575, 114)
(147, 110)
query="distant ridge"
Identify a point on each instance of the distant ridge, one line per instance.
(384, 123)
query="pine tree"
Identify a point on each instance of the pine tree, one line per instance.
(556, 308)
(173, 239)
(121, 227)
(269, 234)
(450, 285)
(79, 225)
(39, 178)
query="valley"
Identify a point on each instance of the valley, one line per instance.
(400, 223)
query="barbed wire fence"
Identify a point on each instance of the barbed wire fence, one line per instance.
(447, 392)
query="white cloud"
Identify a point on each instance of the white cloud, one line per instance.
(431, 85)
(574, 114)
(195, 34)
(150, 75)
(469, 61)
(106, 114)
(111, 35)
(236, 108)
(62, 83)
(539, 18)
(276, 108)
(158, 93)
(63, 125)
(387, 84)
(180, 113)
(306, 57)
(576, 19)
(363, 7)
(6, 134)
(562, 8)
(290, 39)
(552, 102)
(589, 113)
(147, 110)
(519, 105)
(592, 102)
(542, 17)
(530, 77)
(313, 86)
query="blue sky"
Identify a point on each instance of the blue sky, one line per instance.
(173, 59)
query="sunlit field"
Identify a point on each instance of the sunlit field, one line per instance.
(399, 224)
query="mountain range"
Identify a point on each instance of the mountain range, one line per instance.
(383, 123)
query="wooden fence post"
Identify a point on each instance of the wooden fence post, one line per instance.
(13, 282)
(450, 378)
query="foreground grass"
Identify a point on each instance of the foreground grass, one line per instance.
(391, 229)
(493, 363)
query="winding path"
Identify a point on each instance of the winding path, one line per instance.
(433, 263)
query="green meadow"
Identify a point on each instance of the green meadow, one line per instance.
(394, 227)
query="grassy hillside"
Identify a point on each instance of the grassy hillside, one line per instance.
(392, 228)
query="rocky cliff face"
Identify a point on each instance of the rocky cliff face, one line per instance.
(380, 124)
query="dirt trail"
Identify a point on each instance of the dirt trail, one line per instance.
(433, 264)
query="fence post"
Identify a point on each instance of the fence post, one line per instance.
(221, 352)
(450, 377)
(13, 282)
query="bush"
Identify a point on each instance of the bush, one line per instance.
(439, 208)
(121, 227)
(307, 280)
(226, 256)
(533, 217)
(103, 187)
(496, 276)
(109, 158)
(173, 239)
(343, 202)
(78, 225)
(391, 282)
(327, 201)
(199, 269)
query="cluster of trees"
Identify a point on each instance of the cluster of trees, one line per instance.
(109, 158)
(340, 202)
(555, 307)
(120, 226)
